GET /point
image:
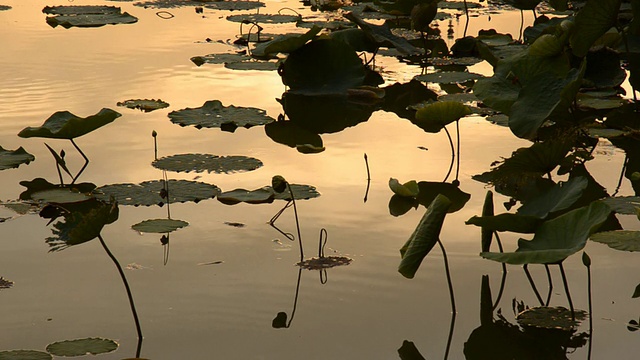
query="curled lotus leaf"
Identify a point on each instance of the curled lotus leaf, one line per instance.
(159, 226)
(148, 193)
(325, 262)
(80, 347)
(408, 189)
(24, 354)
(207, 162)
(10, 159)
(433, 117)
(258, 196)
(146, 105)
(624, 240)
(65, 125)
(5, 284)
(264, 18)
(551, 318)
(449, 77)
(213, 114)
(87, 16)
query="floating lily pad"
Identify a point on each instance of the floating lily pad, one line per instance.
(625, 205)
(258, 196)
(80, 347)
(65, 125)
(213, 114)
(148, 193)
(300, 192)
(5, 7)
(24, 355)
(60, 196)
(462, 61)
(326, 262)
(600, 103)
(449, 77)
(145, 105)
(86, 16)
(499, 119)
(159, 226)
(40, 184)
(233, 5)
(551, 318)
(606, 133)
(264, 18)
(5, 284)
(625, 240)
(10, 159)
(206, 162)
(252, 65)
(219, 59)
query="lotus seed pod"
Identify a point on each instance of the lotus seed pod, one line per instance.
(278, 183)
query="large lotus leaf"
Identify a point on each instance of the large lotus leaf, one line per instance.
(398, 97)
(291, 134)
(424, 237)
(207, 162)
(24, 354)
(382, 35)
(148, 193)
(10, 159)
(626, 205)
(601, 103)
(219, 59)
(507, 222)
(603, 69)
(65, 125)
(80, 347)
(146, 105)
(429, 190)
(323, 66)
(558, 198)
(159, 226)
(264, 18)
(356, 38)
(592, 21)
(213, 114)
(40, 184)
(258, 196)
(87, 16)
(400, 205)
(449, 77)
(625, 240)
(434, 117)
(82, 222)
(558, 238)
(285, 43)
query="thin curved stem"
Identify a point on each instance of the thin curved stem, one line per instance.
(295, 299)
(504, 273)
(532, 283)
(295, 212)
(450, 337)
(449, 282)
(590, 311)
(86, 162)
(458, 148)
(624, 168)
(453, 154)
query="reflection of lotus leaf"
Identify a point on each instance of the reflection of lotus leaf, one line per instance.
(24, 354)
(291, 134)
(159, 226)
(264, 18)
(449, 77)
(65, 125)
(13, 158)
(463, 61)
(5, 284)
(214, 114)
(458, 5)
(324, 262)
(258, 196)
(206, 162)
(625, 205)
(550, 318)
(80, 347)
(148, 193)
(408, 189)
(624, 240)
(81, 10)
(145, 105)
(86, 16)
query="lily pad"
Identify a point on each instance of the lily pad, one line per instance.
(625, 205)
(300, 192)
(207, 162)
(40, 184)
(258, 196)
(159, 226)
(10, 159)
(24, 355)
(219, 59)
(233, 5)
(264, 18)
(213, 114)
(60, 196)
(5, 284)
(449, 77)
(145, 105)
(81, 10)
(625, 240)
(325, 262)
(599, 103)
(551, 318)
(65, 125)
(5, 7)
(86, 16)
(148, 193)
(253, 65)
(80, 347)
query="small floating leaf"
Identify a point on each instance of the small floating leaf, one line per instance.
(449, 77)
(80, 347)
(258, 196)
(5, 7)
(159, 226)
(40, 184)
(65, 125)
(264, 18)
(10, 159)
(148, 193)
(219, 59)
(206, 162)
(325, 262)
(625, 240)
(24, 355)
(252, 65)
(86, 16)
(300, 192)
(213, 114)
(233, 5)
(408, 189)
(551, 318)
(145, 105)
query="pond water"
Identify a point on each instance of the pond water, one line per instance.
(215, 289)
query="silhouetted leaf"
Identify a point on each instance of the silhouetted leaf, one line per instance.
(285, 43)
(5, 7)
(10, 159)
(219, 59)
(449, 77)
(258, 196)
(24, 354)
(159, 226)
(625, 240)
(206, 162)
(382, 35)
(5, 284)
(560, 197)
(433, 117)
(40, 184)
(408, 351)
(252, 65)
(625, 205)
(65, 125)
(592, 21)
(429, 190)
(80, 347)
(147, 193)
(325, 262)
(214, 114)
(636, 292)
(146, 105)
(300, 192)
(291, 134)
(486, 232)
(507, 222)
(60, 195)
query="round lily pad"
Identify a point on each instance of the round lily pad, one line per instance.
(60, 196)
(159, 226)
(264, 18)
(449, 77)
(80, 347)
(550, 318)
(258, 196)
(206, 162)
(24, 355)
(13, 158)
(300, 192)
(148, 193)
(86, 16)
(213, 114)
(145, 105)
(463, 61)
(326, 262)
(234, 5)
(219, 59)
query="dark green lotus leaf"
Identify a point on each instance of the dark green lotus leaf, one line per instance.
(356, 38)
(148, 193)
(206, 162)
(558, 238)
(624, 240)
(551, 318)
(424, 237)
(603, 69)
(558, 198)
(86, 16)
(409, 351)
(625, 205)
(60, 195)
(219, 59)
(300, 192)
(252, 65)
(449, 77)
(507, 222)
(80, 347)
(493, 38)
(434, 117)
(291, 134)
(5, 7)
(285, 43)
(213, 114)
(382, 35)
(40, 184)
(499, 119)
(400, 205)
(159, 226)
(24, 354)
(81, 10)
(551, 26)
(258, 196)
(429, 190)
(592, 21)
(10, 159)
(463, 98)
(408, 189)
(600, 103)
(146, 105)
(82, 222)
(606, 133)
(398, 97)
(264, 18)
(233, 5)
(65, 125)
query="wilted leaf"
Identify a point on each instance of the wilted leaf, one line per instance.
(10, 159)
(80, 347)
(147, 193)
(65, 125)
(214, 114)
(382, 35)
(159, 226)
(206, 162)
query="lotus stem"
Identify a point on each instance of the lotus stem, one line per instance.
(322, 243)
(453, 154)
(295, 213)
(323, 276)
(126, 285)
(450, 337)
(532, 283)
(366, 162)
(295, 299)
(588, 265)
(466, 13)
(566, 290)
(622, 171)
(504, 273)
(521, 25)
(86, 162)
(276, 216)
(449, 282)
(546, 267)
(458, 148)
